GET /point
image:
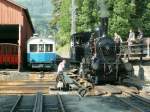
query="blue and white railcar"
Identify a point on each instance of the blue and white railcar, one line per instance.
(41, 52)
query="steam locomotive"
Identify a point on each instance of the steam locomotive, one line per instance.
(96, 53)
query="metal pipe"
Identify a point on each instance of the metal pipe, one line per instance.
(73, 18)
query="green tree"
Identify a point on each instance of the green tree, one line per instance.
(120, 20)
(123, 15)
(86, 15)
(60, 23)
(55, 16)
(64, 22)
(146, 20)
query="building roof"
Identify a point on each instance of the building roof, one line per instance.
(25, 10)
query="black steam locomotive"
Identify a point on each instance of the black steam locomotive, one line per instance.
(96, 53)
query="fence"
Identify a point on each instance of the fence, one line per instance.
(137, 49)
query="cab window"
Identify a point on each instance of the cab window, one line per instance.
(33, 47)
(41, 47)
(48, 47)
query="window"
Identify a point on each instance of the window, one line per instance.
(41, 47)
(48, 47)
(33, 47)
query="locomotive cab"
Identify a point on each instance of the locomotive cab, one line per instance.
(78, 41)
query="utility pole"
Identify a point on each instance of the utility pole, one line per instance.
(73, 27)
(73, 17)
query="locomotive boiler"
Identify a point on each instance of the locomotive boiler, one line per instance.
(96, 53)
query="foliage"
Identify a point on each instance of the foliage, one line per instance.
(123, 15)
(119, 21)
(55, 16)
(146, 20)
(87, 15)
(60, 23)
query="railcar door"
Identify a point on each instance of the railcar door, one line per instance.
(8, 55)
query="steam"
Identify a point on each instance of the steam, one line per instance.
(103, 8)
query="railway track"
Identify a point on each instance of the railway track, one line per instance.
(133, 100)
(56, 103)
(129, 97)
(44, 103)
(36, 103)
(136, 102)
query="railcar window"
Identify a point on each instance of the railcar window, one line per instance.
(41, 47)
(33, 47)
(48, 47)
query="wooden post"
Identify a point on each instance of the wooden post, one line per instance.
(141, 51)
(148, 42)
(73, 17)
(19, 49)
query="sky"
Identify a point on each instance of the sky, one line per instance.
(40, 12)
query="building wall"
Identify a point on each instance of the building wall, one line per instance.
(10, 14)
(26, 33)
(142, 72)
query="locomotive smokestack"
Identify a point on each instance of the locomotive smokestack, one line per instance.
(104, 26)
(104, 13)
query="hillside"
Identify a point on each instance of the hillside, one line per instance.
(40, 12)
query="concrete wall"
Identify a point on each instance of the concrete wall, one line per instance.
(142, 72)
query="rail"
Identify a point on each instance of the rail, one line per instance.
(135, 105)
(139, 97)
(39, 103)
(136, 102)
(36, 103)
(137, 109)
(16, 104)
(61, 103)
(38, 106)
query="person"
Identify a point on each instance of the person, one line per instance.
(81, 70)
(130, 40)
(61, 67)
(140, 40)
(118, 41)
(131, 37)
(140, 35)
(117, 38)
(60, 71)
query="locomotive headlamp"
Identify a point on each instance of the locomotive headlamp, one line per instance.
(107, 47)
